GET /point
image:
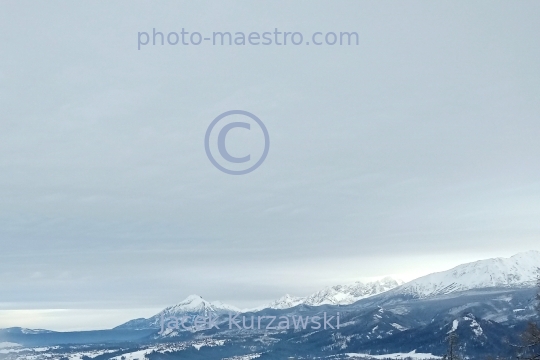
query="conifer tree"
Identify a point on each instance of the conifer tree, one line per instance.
(452, 351)
(531, 336)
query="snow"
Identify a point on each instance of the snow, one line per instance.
(455, 324)
(413, 354)
(399, 327)
(334, 295)
(19, 349)
(285, 302)
(518, 270)
(476, 328)
(34, 331)
(13, 350)
(195, 303)
(136, 355)
(244, 357)
(198, 346)
(348, 294)
(90, 354)
(166, 348)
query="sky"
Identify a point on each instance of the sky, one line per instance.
(412, 152)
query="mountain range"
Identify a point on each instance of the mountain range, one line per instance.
(520, 270)
(336, 295)
(487, 303)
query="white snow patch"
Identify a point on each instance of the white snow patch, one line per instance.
(455, 324)
(136, 355)
(413, 354)
(90, 354)
(476, 328)
(399, 327)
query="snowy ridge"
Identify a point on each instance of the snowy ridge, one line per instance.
(348, 294)
(335, 295)
(520, 270)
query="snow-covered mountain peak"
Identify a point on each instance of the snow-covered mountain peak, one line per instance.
(516, 271)
(191, 301)
(192, 305)
(196, 304)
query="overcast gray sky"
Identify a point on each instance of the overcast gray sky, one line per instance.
(412, 152)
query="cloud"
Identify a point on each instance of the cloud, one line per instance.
(420, 143)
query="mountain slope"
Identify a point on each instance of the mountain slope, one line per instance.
(192, 305)
(520, 270)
